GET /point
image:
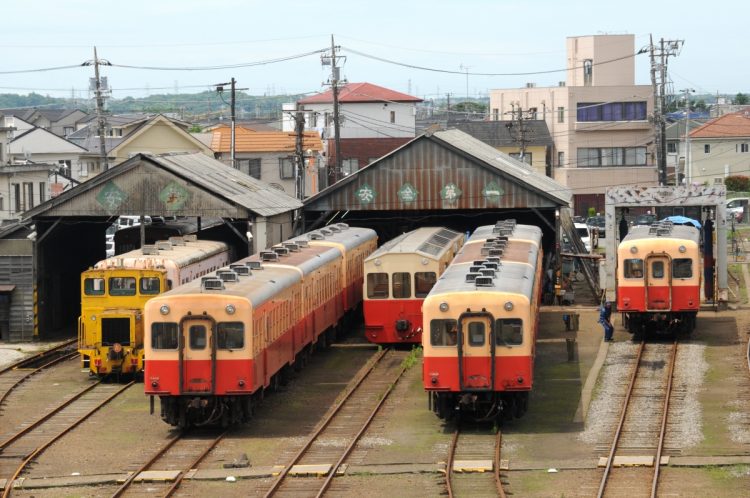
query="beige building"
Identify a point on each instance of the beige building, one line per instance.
(720, 148)
(598, 119)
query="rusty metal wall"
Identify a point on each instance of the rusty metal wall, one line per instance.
(425, 176)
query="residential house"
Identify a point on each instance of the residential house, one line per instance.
(528, 141)
(720, 148)
(270, 156)
(373, 121)
(598, 118)
(127, 135)
(61, 122)
(676, 147)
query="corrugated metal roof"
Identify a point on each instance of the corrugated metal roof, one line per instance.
(505, 133)
(209, 176)
(443, 170)
(262, 141)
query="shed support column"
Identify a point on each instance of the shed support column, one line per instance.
(260, 235)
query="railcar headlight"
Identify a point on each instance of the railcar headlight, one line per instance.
(682, 248)
(378, 262)
(443, 306)
(508, 306)
(164, 309)
(93, 318)
(230, 309)
(425, 261)
(634, 249)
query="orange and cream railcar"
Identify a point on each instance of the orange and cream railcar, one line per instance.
(215, 345)
(480, 322)
(114, 291)
(659, 278)
(398, 276)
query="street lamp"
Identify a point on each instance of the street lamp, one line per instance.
(688, 169)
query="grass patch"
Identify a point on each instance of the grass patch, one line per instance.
(413, 358)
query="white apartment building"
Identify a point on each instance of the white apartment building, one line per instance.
(598, 118)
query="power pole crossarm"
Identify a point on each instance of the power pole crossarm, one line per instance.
(100, 118)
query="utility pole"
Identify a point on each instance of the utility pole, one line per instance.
(462, 67)
(688, 169)
(334, 169)
(232, 100)
(519, 135)
(299, 154)
(659, 59)
(100, 119)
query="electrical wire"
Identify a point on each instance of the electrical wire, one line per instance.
(224, 66)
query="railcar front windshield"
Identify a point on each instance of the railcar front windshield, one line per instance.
(443, 332)
(93, 286)
(509, 332)
(164, 335)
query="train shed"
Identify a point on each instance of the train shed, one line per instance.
(442, 178)
(69, 230)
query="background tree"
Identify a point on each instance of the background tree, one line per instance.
(737, 183)
(741, 99)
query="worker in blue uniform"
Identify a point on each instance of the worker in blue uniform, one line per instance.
(605, 318)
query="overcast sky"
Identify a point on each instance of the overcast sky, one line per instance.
(474, 36)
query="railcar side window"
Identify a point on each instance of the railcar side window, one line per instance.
(377, 285)
(476, 334)
(633, 268)
(657, 269)
(164, 335)
(401, 285)
(122, 286)
(197, 335)
(423, 282)
(150, 285)
(443, 332)
(93, 286)
(682, 268)
(509, 332)
(230, 335)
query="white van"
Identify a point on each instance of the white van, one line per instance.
(131, 221)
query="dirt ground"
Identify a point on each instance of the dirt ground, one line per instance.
(400, 455)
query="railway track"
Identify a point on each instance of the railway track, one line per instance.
(14, 375)
(473, 467)
(174, 460)
(329, 446)
(21, 448)
(632, 465)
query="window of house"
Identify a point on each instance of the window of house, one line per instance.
(15, 188)
(28, 192)
(2, 203)
(591, 157)
(393, 116)
(495, 114)
(250, 167)
(286, 168)
(84, 168)
(611, 111)
(561, 159)
(42, 192)
(526, 157)
(743, 147)
(707, 149)
(672, 147)
(560, 114)
(349, 166)
(588, 72)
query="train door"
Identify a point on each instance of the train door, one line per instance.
(476, 352)
(197, 355)
(658, 282)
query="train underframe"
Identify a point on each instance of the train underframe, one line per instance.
(659, 323)
(480, 405)
(193, 411)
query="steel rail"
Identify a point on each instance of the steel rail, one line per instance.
(46, 417)
(146, 465)
(451, 456)
(20, 381)
(620, 424)
(38, 356)
(194, 464)
(663, 429)
(282, 475)
(498, 482)
(359, 434)
(40, 449)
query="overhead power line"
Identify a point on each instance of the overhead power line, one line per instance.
(224, 66)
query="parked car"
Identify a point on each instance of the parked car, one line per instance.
(598, 223)
(736, 207)
(583, 232)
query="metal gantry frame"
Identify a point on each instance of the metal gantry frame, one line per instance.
(713, 196)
